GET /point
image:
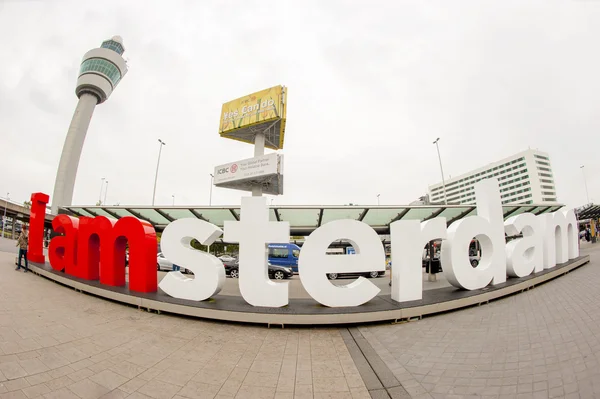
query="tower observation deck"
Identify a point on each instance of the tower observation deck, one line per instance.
(101, 71)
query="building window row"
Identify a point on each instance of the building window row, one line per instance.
(548, 187)
(546, 181)
(541, 157)
(544, 169)
(544, 174)
(542, 162)
(513, 174)
(514, 187)
(516, 192)
(518, 199)
(469, 192)
(488, 173)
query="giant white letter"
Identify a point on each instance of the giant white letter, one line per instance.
(408, 239)
(314, 263)
(254, 232)
(560, 237)
(524, 255)
(488, 228)
(208, 270)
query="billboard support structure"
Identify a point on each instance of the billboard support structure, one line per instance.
(259, 150)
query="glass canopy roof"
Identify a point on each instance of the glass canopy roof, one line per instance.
(304, 219)
(590, 211)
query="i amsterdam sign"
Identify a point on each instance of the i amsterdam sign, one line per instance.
(94, 249)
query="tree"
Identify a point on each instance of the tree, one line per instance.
(27, 204)
(216, 248)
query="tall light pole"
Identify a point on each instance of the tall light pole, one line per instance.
(378, 199)
(4, 218)
(105, 192)
(173, 199)
(101, 186)
(157, 165)
(441, 169)
(585, 183)
(211, 184)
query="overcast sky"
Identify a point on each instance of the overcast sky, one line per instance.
(371, 85)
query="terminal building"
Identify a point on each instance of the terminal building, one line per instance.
(524, 178)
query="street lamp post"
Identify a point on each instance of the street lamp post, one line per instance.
(378, 199)
(157, 165)
(101, 186)
(211, 185)
(441, 169)
(173, 199)
(4, 217)
(585, 183)
(105, 192)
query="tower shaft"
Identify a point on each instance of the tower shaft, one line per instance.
(69, 160)
(100, 72)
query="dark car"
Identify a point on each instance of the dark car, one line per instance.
(373, 274)
(232, 269)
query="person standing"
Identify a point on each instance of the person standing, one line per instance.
(22, 243)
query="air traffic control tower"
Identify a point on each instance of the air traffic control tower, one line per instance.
(101, 71)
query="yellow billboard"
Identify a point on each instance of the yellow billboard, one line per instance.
(265, 109)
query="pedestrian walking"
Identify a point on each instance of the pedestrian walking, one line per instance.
(588, 234)
(22, 243)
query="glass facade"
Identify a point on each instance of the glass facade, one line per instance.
(114, 46)
(102, 66)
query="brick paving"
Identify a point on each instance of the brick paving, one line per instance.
(543, 343)
(59, 343)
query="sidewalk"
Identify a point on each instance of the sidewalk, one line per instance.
(62, 344)
(541, 343)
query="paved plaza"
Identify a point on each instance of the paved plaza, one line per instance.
(59, 343)
(543, 343)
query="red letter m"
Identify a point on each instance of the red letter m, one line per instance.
(101, 245)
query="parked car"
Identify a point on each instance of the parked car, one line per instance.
(232, 269)
(163, 264)
(227, 258)
(373, 274)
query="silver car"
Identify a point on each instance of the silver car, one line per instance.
(164, 264)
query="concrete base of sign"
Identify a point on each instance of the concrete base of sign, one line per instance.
(308, 311)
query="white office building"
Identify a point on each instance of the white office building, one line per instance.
(524, 178)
